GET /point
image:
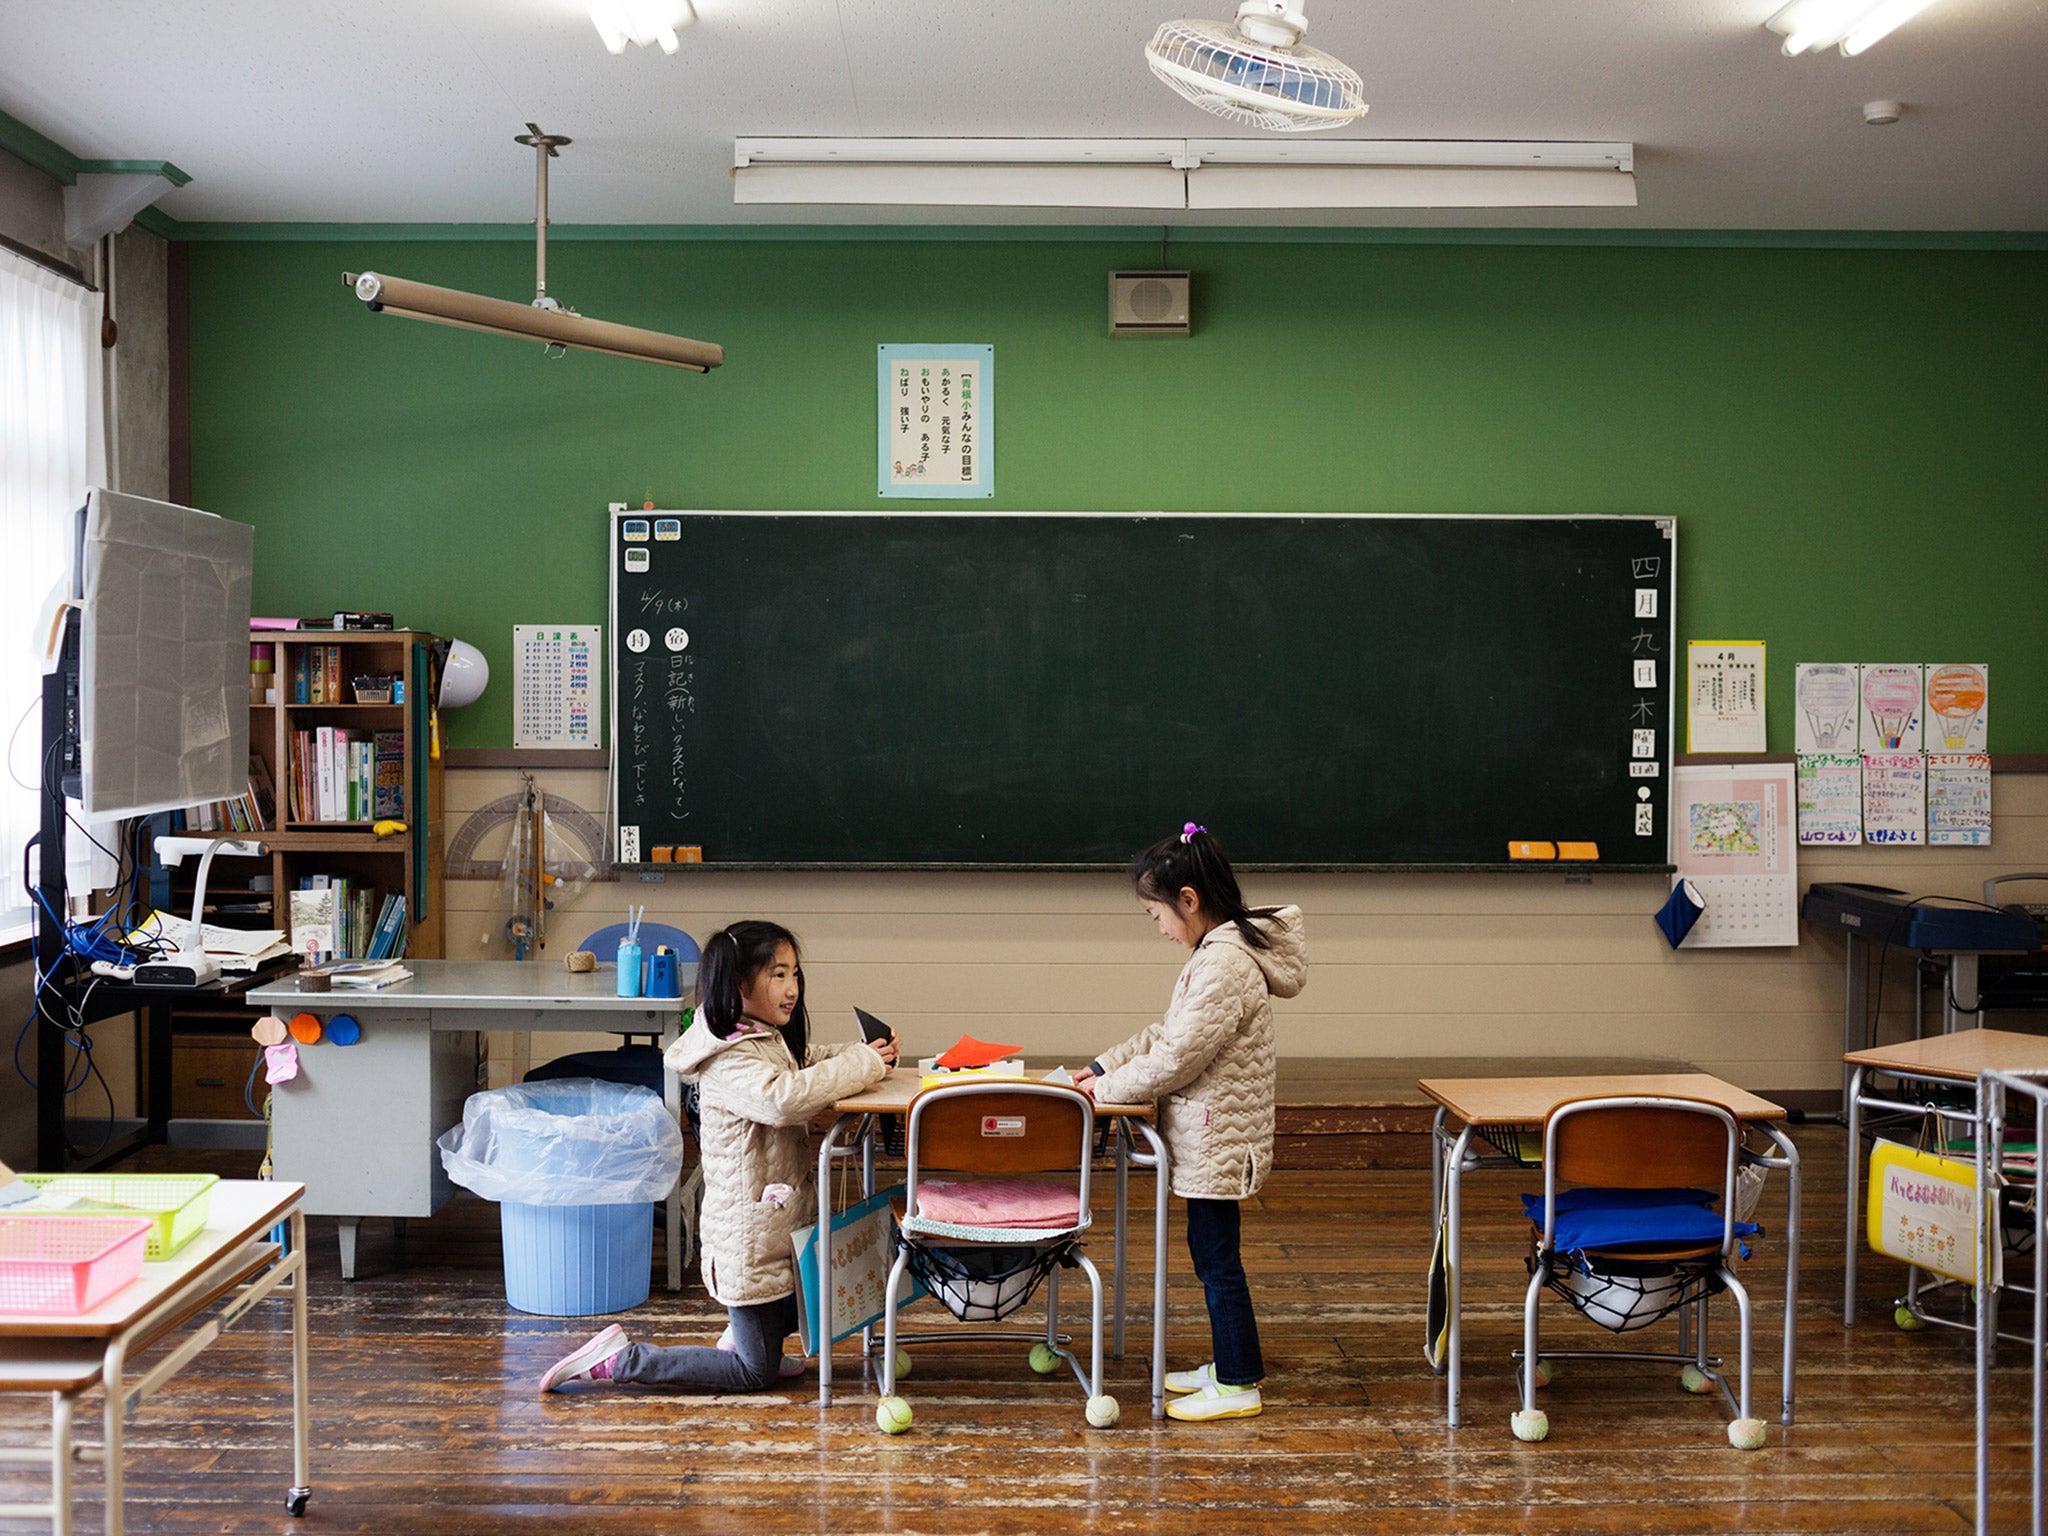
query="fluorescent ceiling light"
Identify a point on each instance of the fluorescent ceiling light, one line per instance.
(1852, 24)
(1183, 173)
(620, 22)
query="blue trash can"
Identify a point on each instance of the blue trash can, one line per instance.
(576, 1164)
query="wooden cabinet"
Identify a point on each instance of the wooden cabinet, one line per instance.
(312, 688)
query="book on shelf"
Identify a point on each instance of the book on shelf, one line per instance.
(333, 773)
(389, 772)
(389, 939)
(313, 922)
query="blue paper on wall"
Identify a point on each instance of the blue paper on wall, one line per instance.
(1681, 911)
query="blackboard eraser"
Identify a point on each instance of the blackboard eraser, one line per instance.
(663, 854)
(689, 853)
(1578, 850)
(1521, 851)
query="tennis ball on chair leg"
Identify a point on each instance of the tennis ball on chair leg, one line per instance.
(902, 1363)
(1043, 1360)
(892, 1415)
(1531, 1426)
(1746, 1434)
(1693, 1379)
(1103, 1411)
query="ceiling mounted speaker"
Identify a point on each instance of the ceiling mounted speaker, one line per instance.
(1148, 304)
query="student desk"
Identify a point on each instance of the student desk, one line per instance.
(1515, 1108)
(1938, 1061)
(231, 1258)
(357, 1125)
(858, 1119)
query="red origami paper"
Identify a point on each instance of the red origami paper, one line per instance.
(971, 1052)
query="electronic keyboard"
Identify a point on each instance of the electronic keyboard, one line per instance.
(1886, 916)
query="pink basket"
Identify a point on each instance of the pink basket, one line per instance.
(65, 1265)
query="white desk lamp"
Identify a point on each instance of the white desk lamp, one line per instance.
(191, 966)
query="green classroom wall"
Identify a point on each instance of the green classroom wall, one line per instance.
(1852, 441)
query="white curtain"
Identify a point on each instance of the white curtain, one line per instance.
(52, 447)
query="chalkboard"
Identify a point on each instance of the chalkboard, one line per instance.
(1058, 690)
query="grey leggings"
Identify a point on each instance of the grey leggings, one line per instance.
(754, 1363)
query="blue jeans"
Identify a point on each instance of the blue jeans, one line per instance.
(752, 1365)
(1233, 1330)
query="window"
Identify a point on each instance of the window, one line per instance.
(52, 446)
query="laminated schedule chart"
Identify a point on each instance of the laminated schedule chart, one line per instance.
(556, 684)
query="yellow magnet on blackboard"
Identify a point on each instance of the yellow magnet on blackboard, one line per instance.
(1520, 851)
(1578, 850)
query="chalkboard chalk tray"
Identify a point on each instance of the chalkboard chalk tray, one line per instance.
(1057, 690)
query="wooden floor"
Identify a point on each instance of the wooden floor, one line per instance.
(426, 1421)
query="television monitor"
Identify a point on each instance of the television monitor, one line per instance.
(163, 682)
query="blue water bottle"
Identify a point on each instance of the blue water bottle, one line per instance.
(629, 967)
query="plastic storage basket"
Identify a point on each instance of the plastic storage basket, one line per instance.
(176, 1203)
(65, 1265)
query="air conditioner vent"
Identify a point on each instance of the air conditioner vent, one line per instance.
(1148, 304)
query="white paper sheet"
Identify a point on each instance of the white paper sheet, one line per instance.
(1831, 797)
(1733, 836)
(1826, 695)
(1895, 797)
(556, 684)
(1959, 799)
(1958, 706)
(1724, 696)
(1890, 718)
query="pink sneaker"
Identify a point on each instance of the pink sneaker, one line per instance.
(792, 1365)
(592, 1361)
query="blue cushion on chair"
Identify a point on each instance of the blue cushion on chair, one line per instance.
(1613, 1218)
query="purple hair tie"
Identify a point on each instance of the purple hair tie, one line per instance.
(1187, 832)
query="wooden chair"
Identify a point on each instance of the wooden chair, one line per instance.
(999, 1130)
(1641, 1144)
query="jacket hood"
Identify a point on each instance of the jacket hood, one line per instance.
(691, 1054)
(1285, 963)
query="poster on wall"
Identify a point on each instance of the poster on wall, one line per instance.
(936, 420)
(1824, 694)
(1733, 837)
(1958, 714)
(556, 684)
(1959, 799)
(1890, 717)
(1830, 799)
(1724, 696)
(1895, 798)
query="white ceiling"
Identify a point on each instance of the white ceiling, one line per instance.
(403, 111)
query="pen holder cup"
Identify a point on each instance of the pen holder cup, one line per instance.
(631, 972)
(663, 980)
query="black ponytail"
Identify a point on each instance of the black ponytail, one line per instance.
(732, 958)
(1191, 860)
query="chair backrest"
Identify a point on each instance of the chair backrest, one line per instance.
(1000, 1128)
(605, 942)
(1641, 1143)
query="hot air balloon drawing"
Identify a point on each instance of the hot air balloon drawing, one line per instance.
(1827, 705)
(1891, 708)
(1955, 698)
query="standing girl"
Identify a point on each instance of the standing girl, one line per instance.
(759, 1081)
(1209, 1066)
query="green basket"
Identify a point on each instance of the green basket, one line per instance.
(175, 1202)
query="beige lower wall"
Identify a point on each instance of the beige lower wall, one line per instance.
(1400, 965)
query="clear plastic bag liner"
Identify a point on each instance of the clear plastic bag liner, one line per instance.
(567, 1141)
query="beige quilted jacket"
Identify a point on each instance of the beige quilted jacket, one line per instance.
(755, 1106)
(1208, 1064)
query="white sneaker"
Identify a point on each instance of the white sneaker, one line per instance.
(1216, 1401)
(590, 1361)
(1191, 1381)
(792, 1365)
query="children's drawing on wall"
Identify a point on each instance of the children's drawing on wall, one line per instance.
(1890, 720)
(1958, 706)
(1895, 797)
(1831, 797)
(1826, 717)
(1959, 799)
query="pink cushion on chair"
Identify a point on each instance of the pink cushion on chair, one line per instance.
(999, 1203)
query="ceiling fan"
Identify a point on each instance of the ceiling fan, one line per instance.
(1259, 71)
